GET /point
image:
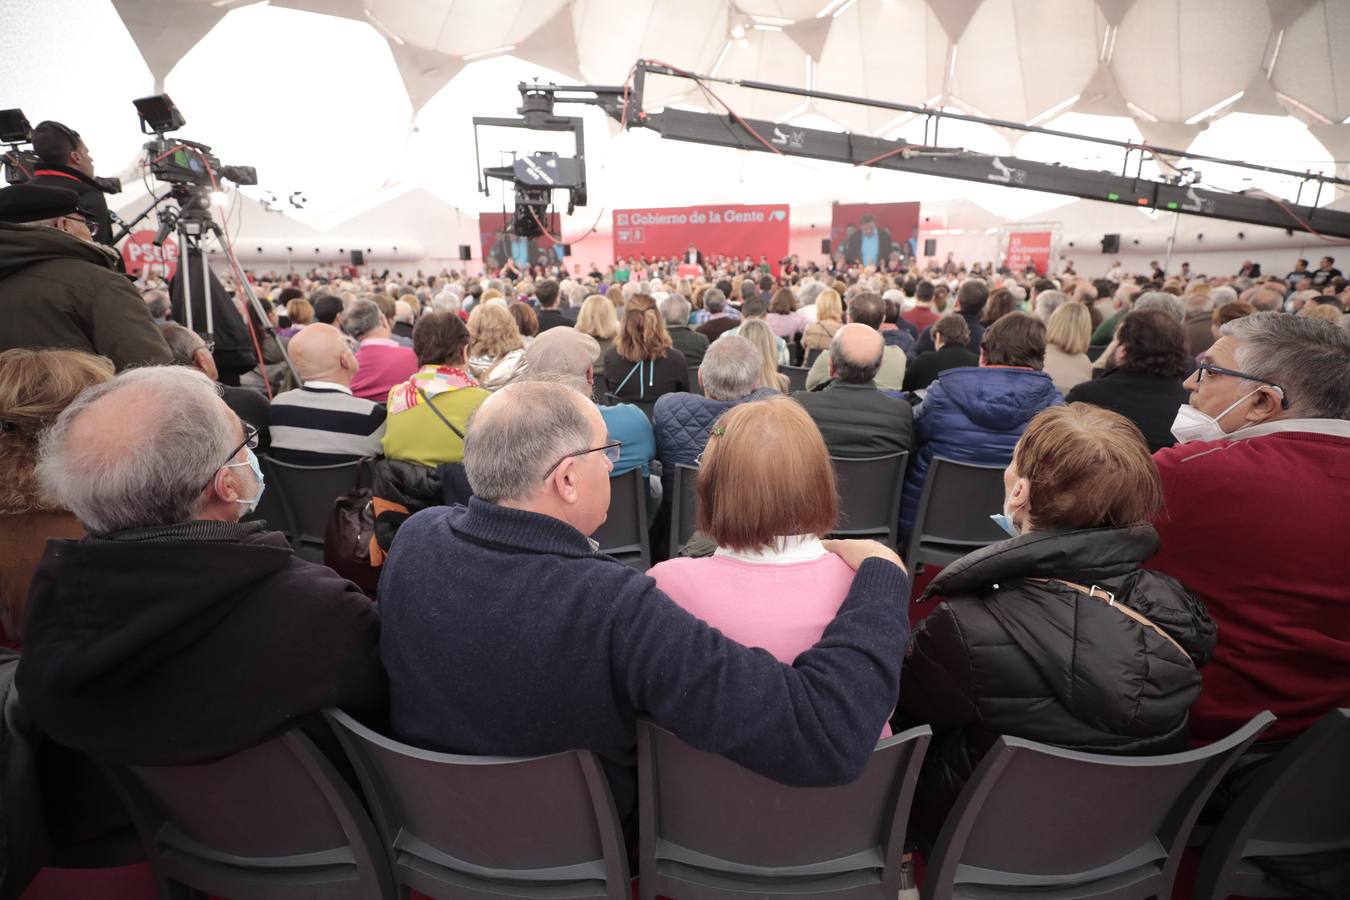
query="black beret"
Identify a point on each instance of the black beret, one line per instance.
(35, 202)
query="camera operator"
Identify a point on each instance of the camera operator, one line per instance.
(67, 163)
(60, 289)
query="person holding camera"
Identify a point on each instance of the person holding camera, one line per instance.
(66, 163)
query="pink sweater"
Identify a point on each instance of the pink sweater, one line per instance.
(783, 607)
(383, 364)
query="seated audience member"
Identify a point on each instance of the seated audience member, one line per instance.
(854, 417)
(1048, 303)
(721, 318)
(429, 413)
(301, 313)
(783, 318)
(322, 423)
(894, 329)
(693, 345)
(1145, 384)
(389, 309)
(755, 308)
(171, 586)
(1000, 303)
(950, 336)
(533, 643)
(1066, 343)
(549, 295)
(158, 304)
(35, 385)
(771, 582)
(60, 289)
(328, 310)
(189, 349)
(1200, 316)
(381, 362)
(977, 415)
(495, 345)
(922, 315)
(870, 310)
(762, 338)
(829, 319)
(970, 300)
(1255, 496)
(598, 319)
(527, 322)
(404, 318)
(730, 375)
(1226, 313)
(1058, 635)
(644, 365)
(1121, 301)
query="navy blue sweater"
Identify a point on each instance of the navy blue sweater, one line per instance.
(503, 633)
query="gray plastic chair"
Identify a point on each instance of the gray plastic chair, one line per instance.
(711, 829)
(1037, 822)
(307, 494)
(1298, 803)
(811, 356)
(274, 821)
(869, 496)
(796, 376)
(271, 509)
(624, 533)
(953, 514)
(683, 508)
(488, 827)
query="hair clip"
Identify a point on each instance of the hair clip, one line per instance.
(718, 430)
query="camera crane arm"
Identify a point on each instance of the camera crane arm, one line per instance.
(1179, 194)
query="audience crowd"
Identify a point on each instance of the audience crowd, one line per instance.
(1174, 454)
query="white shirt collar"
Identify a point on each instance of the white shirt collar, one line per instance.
(789, 549)
(1334, 427)
(327, 386)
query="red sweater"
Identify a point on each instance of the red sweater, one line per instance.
(1257, 529)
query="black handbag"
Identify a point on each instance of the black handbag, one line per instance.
(348, 536)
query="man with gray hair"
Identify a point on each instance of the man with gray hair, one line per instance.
(1199, 321)
(174, 633)
(506, 633)
(191, 350)
(158, 304)
(1255, 505)
(854, 416)
(721, 318)
(382, 363)
(1161, 300)
(675, 310)
(1047, 302)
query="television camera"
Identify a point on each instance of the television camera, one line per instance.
(20, 162)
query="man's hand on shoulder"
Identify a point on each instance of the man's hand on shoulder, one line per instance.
(857, 552)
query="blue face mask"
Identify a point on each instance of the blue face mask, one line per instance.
(1006, 524)
(253, 464)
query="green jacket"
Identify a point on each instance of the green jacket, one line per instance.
(61, 292)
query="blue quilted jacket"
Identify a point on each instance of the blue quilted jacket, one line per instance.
(682, 424)
(973, 415)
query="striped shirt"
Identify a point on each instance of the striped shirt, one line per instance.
(322, 424)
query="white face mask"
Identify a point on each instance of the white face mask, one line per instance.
(1193, 425)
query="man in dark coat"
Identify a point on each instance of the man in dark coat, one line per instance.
(60, 289)
(870, 245)
(173, 633)
(855, 418)
(67, 163)
(546, 292)
(675, 310)
(950, 335)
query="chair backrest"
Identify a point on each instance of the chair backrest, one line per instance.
(479, 826)
(1076, 824)
(683, 508)
(706, 821)
(272, 508)
(1096, 350)
(1298, 803)
(647, 406)
(624, 532)
(796, 376)
(869, 496)
(694, 386)
(953, 513)
(811, 356)
(277, 815)
(307, 494)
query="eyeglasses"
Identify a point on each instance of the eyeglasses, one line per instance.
(88, 221)
(1203, 368)
(612, 450)
(250, 441)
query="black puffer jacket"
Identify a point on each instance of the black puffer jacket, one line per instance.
(1040, 660)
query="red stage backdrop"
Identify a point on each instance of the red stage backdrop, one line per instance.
(897, 221)
(715, 229)
(139, 250)
(1029, 247)
(496, 243)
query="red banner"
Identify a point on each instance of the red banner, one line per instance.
(894, 227)
(1029, 247)
(714, 230)
(139, 251)
(498, 246)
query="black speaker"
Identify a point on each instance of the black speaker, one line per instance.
(358, 258)
(1110, 243)
(465, 251)
(567, 249)
(825, 246)
(930, 246)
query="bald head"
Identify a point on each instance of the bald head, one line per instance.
(856, 354)
(319, 353)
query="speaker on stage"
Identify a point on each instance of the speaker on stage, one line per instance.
(358, 258)
(930, 246)
(1110, 243)
(465, 252)
(825, 246)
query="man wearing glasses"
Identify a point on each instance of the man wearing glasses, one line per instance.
(60, 289)
(1256, 498)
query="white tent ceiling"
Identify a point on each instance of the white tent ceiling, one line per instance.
(339, 98)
